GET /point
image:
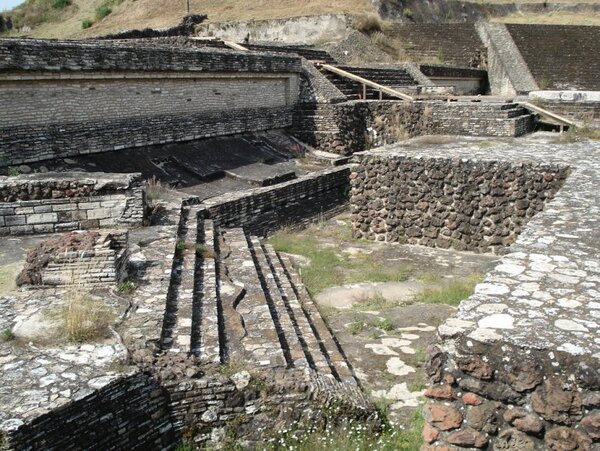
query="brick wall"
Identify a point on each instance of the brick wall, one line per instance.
(66, 101)
(360, 125)
(105, 263)
(296, 202)
(48, 203)
(129, 413)
(63, 98)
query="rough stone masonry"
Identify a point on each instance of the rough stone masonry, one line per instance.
(517, 366)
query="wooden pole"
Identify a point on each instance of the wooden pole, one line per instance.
(188, 6)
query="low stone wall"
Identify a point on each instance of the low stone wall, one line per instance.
(581, 106)
(145, 411)
(361, 125)
(293, 203)
(466, 81)
(57, 202)
(447, 202)
(129, 413)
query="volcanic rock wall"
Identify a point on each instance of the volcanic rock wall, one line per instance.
(447, 202)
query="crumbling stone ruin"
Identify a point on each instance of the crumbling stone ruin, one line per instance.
(161, 160)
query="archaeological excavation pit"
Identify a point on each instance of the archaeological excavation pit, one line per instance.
(280, 241)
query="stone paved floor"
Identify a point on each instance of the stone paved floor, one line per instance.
(545, 293)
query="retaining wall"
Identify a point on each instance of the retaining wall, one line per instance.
(293, 203)
(360, 125)
(447, 202)
(128, 413)
(57, 202)
(65, 98)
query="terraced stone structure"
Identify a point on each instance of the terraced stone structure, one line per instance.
(517, 366)
(221, 340)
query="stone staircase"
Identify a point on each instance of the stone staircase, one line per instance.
(450, 44)
(233, 298)
(311, 54)
(395, 78)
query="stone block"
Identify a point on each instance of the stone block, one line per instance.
(42, 218)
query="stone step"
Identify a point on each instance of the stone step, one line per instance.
(206, 342)
(296, 351)
(177, 328)
(336, 359)
(261, 341)
(316, 354)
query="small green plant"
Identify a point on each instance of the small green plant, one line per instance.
(543, 83)
(7, 335)
(181, 246)
(384, 324)
(408, 13)
(417, 385)
(357, 325)
(126, 287)
(420, 356)
(102, 11)
(184, 446)
(60, 4)
(86, 23)
(13, 171)
(205, 252)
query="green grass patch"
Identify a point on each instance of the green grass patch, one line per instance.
(451, 293)
(376, 302)
(357, 325)
(384, 324)
(578, 134)
(102, 11)
(86, 23)
(329, 267)
(60, 4)
(7, 335)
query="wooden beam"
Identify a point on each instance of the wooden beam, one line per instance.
(365, 82)
(549, 114)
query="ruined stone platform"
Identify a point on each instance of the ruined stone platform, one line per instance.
(528, 337)
(218, 320)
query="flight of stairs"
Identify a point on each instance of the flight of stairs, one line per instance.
(233, 298)
(394, 78)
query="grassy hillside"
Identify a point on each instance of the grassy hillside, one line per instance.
(64, 18)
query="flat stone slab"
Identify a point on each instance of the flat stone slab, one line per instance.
(545, 293)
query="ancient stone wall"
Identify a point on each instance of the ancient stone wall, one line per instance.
(66, 98)
(361, 125)
(128, 413)
(560, 56)
(296, 202)
(105, 263)
(54, 202)
(516, 366)
(447, 202)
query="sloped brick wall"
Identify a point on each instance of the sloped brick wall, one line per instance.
(560, 56)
